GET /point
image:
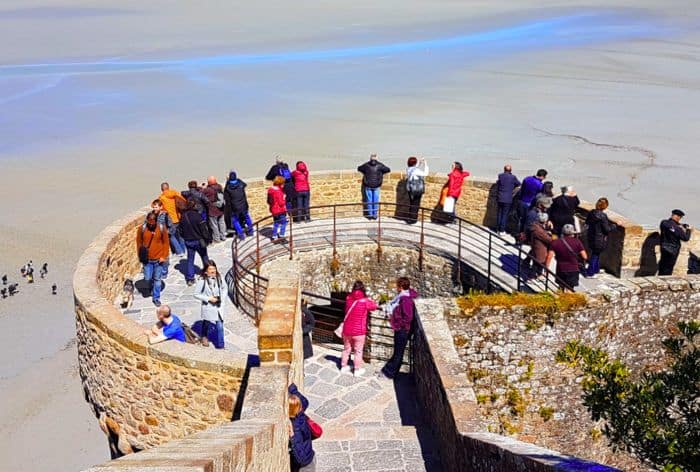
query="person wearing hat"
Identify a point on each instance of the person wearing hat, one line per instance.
(570, 254)
(672, 232)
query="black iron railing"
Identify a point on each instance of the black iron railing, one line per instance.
(502, 265)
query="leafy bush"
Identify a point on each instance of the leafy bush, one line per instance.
(656, 417)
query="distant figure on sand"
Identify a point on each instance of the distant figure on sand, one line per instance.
(455, 179)
(4, 279)
(401, 311)
(211, 292)
(372, 178)
(169, 199)
(54, 289)
(303, 191)
(505, 188)
(281, 169)
(44, 270)
(237, 202)
(672, 233)
(168, 326)
(357, 308)
(214, 194)
(153, 250)
(416, 172)
(12, 289)
(3, 292)
(276, 200)
(570, 254)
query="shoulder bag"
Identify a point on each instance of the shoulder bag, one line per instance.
(143, 250)
(581, 264)
(339, 330)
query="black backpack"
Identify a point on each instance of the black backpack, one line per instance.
(415, 185)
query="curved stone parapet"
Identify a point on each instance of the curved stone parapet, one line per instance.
(144, 394)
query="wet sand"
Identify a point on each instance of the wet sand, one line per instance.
(605, 98)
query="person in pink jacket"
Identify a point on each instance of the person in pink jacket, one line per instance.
(357, 308)
(300, 176)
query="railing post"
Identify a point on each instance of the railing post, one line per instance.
(257, 248)
(459, 252)
(291, 237)
(234, 268)
(546, 279)
(488, 271)
(255, 299)
(379, 231)
(520, 262)
(335, 253)
(422, 240)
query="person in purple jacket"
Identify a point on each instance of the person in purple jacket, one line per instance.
(531, 186)
(401, 310)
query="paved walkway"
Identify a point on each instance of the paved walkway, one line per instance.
(240, 334)
(369, 424)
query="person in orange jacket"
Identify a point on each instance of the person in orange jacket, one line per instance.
(169, 199)
(153, 249)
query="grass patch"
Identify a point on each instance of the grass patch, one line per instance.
(477, 374)
(533, 303)
(546, 413)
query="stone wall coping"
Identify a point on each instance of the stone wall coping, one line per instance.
(527, 453)
(127, 332)
(626, 287)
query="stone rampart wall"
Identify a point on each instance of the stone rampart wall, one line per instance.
(144, 395)
(447, 397)
(523, 392)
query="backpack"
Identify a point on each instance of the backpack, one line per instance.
(219, 202)
(415, 185)
(190, 336)
(285, 172)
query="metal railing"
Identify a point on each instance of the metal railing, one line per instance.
(500, 263)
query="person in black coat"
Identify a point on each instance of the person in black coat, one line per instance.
(373, 177)
(195, 233)
(281, 168)
(505, 187)
(237, 205)
(194, 194)
(672, 232)
(599, 227)
(307, 325)
(563, 209)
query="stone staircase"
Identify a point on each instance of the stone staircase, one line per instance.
(440, 239)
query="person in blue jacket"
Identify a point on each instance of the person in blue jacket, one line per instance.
(506, 185)
(301, 450)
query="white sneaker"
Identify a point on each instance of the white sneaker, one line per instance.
(345, 370)
(359, 373)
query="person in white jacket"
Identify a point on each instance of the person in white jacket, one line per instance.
(416, 172)
(212, 292)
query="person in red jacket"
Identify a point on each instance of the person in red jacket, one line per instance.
(454, 189)
(300, 176)
(357, 308)
(277, 201)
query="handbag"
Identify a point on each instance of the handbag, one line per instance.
(339, 330)
(143, 251)
(449, 206)
(316, 429)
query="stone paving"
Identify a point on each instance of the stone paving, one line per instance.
(370, 424)
(240, 334)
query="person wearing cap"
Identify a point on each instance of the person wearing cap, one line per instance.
(569, 253)
(672, 233)
(373, 177)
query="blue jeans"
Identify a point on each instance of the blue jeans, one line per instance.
(502, 219)
(177, 244)
(303, 206)
(279, 225)
(218, 337)
(236, 221)
(192, 247)
(153, 273)
(593, 265)
(371, 201)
